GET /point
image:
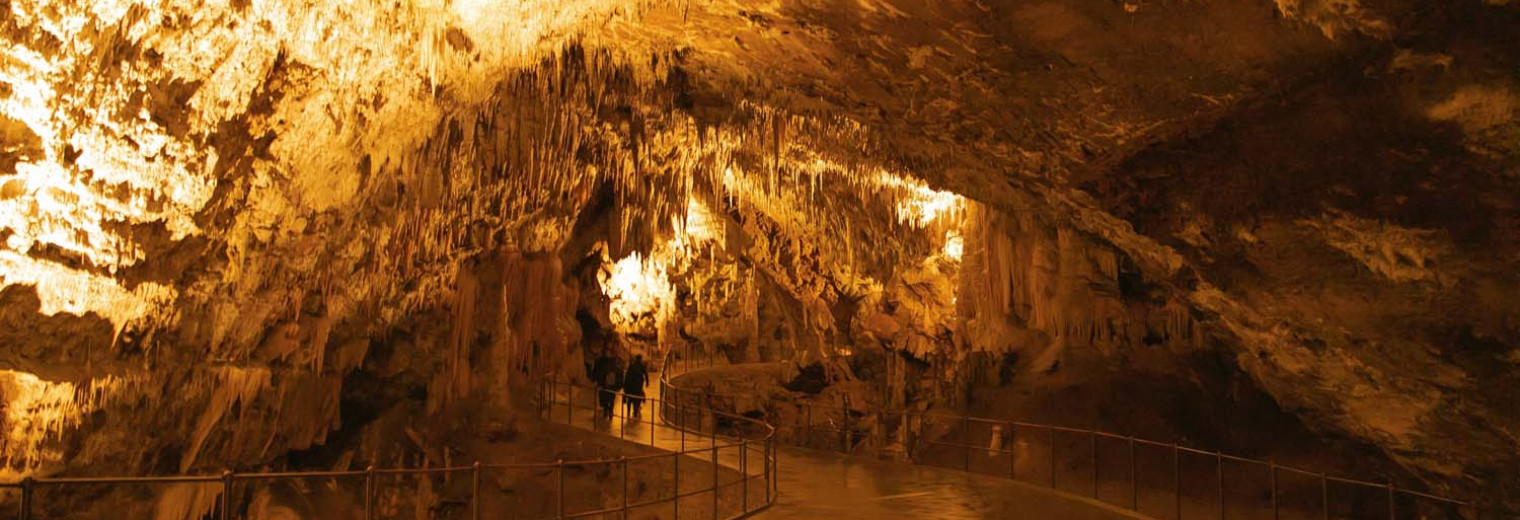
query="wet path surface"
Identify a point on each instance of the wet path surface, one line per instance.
(829, 485)
(825, 485)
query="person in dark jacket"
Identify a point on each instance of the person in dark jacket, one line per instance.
(609, 378)
(634, 382)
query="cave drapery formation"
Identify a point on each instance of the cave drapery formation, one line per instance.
(227, 212)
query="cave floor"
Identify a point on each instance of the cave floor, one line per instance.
(818, 484)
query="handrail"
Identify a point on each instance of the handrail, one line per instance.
(905, 430)
(547, 398)
(670, 369)
(744, 445)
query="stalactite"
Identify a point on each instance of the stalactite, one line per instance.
(232, 386)
(38, 412)
(451, 162)
(1021, 273)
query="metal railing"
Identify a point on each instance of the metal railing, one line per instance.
(1002, 448)
(678, 403)
(1086, 449)
(747, 437)
(760, 443)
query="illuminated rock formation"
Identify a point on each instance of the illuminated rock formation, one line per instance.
(226, 212)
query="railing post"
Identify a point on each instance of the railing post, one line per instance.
(715, 476)
(1013, 455)
(775, 469)
(1324, 496)
(744, 475)
(1392, 508)
(475, 491)
(1134, 482)
(226, 494)
(1177, 477)
(766, 466)
(809, 412)
(1219, 473)
(844, 427)
(622, 421)
(1272, 465)
(570, 406)
(681, 422)
(559, 496)
(913, 433)
(675, 503)
(1095, 463)
(966, 431)
(1052, 458)
(26, 498)
(625, 487)
(905, 432)
(878, 432)
(369, 493)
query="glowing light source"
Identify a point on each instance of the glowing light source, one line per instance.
(73, 291)
(639, 289)
(699, 226)
(639, 285)
(954, 244)
(919, 205)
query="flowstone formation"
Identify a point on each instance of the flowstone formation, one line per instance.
(248, 216)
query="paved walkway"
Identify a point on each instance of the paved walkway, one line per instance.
(834, 486)
(826, 485)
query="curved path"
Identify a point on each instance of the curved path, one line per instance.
(825, 485)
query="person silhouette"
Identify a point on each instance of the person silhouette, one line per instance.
(634, 382)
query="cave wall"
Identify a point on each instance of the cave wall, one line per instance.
(236, 203)
(1358, 236)
(218, 203)
(273, 224)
